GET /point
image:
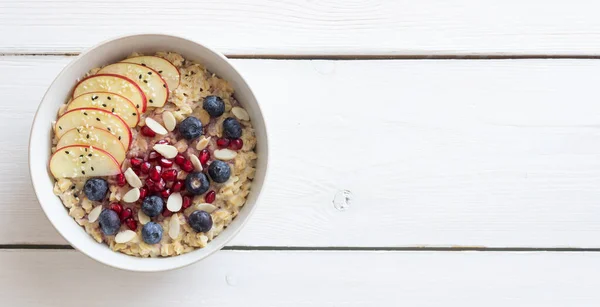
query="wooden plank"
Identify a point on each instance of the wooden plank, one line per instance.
(233, 278)
(334, 27)
(496, 153)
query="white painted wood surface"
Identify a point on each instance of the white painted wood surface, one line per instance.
(313, 27)
(492, 153)
(436, 153)
(263, 278)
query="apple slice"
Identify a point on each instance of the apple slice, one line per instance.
(153, 86)
(96, 137)
(92, 117)
(83, 161)
(113, 84)
(111, 102)
(166, 69)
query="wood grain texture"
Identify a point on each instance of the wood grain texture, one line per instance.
(68, 278)
(313, 27)
(495, 153)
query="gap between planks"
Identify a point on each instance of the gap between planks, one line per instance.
(339, 248)
(354, 57)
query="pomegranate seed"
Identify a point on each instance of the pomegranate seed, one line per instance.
(121, 180)
(165, 193)
(187, 166)
(160, 185)
(127, 213)
(177, 185)
(164, 162)
(145, 167)
(135, 162)
(204, 156)
(153, 155)
(179, 159)
(166, 212)
(169, 175)
(131, 223)
(187, 202)
(163, 142)
(210, 197)
(148, 132)
(137, 172)
(222, 142)
(236, 144)
(116, 207)
(155, 186)
(143, 193)
(150, 185)
(155, 173)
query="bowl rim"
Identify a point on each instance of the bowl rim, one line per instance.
(265, 154)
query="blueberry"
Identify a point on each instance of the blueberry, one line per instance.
(190, 128)
(109, 222)
(200, 220)
(95, 189)
(219, 171)
(214, 106)
(232, 128)
(152, 205)
(152, 233)
(196, 183)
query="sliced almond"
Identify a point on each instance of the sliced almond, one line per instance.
(169, 120)
(132, 178)
(240, 113)
(224, 154)
(203, 142)
(174, 202)
(156, 126)
(195, 162)
(206, 207)
(202, 206)
(94, 214)
(143, 218)
(125, 236)
(174, 227)
(167, 151)
(132, 195)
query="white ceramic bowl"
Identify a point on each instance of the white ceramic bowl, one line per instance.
(59, 91)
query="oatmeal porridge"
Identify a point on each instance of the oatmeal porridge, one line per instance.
(153, 155)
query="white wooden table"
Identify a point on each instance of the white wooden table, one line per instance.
(467, 133)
